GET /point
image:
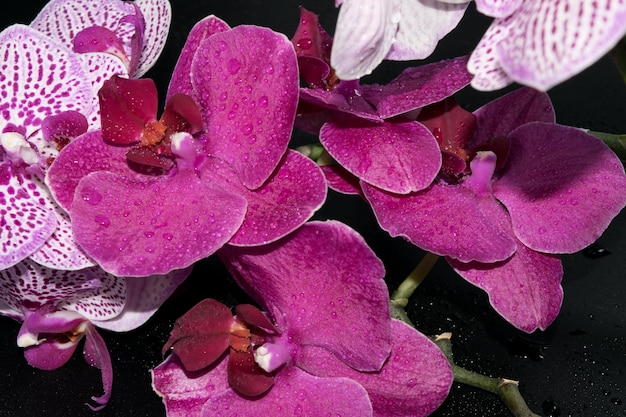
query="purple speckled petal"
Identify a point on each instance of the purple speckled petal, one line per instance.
(422, 25)
(59, 84)
(135, 227)
(510, 111)
(398, 156)
(541, 53)
(181, 77)
(25, 220)
(185, 393)
(498, 8)
(246, 81)
(62, 20)
(60, 250)
(50, 354)
(412, 383)
(524, 289)
(419, 86)
(31, 284)
(157, 15)
(297, 393)
(93, 155)
(561, 186)
(446, 220)
(143, 298)
(484, 64)
(288, 199)
(323, 286)
(363, 36)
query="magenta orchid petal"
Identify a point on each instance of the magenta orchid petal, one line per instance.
(184, 393)
(498, 8)
(551, 211)
(63, 127)
(340, 180)
(297, 393)
(120, 207)
(50, 354)
(144, 296)
(524, 289)
(418, 87)
(447, 220)
(181, 77)
(97, 355)
(307, 286)
(288, 199)
(44, 321)
(99, 39)
(157, 16)
(312, 45)
(413, 383)
(364, 34)
(245, 376)
(422, 25)
(342, 100)
(508, 112)
(248, 124)
(399, 157)
(27, 223)
(526, 48)
(94, 155)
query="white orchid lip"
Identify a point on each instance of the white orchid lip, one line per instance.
(17, 149)
(271, 356)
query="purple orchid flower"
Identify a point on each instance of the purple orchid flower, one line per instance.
(369, 31)
(59, 308)
(135, 32)
(221, 143)
(531, 189)
(371, 130)
(326, 343)
(524, 46)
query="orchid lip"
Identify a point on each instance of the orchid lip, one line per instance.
(18, 149)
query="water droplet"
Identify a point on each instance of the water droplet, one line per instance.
(90, 196)
(233, 66)
(224, 96)
(102, 220)
(148, 234)
(231, 115)
(252, 139)
(247, 129)
(168, 236)
(222, 45)
(542, 230)
(263, 101)
(305, 43)
(269, 69)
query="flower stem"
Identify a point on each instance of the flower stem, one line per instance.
(506, 389)
(400, 298)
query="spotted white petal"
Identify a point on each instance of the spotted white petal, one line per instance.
(157, 15)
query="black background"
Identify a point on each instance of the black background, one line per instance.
(575, 368)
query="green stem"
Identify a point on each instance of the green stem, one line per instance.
(506, 389)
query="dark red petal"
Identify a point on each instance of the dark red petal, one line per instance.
(255, 317)
(182, 114)
(201, 335)
(245, 376)
(147, 156)
(125, 108)
(312, 46)
(452, 126)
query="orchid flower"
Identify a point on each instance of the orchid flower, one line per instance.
(214, 168)
(528, 189)
(59, 308)
(325, 343)
(52, 91)
(369, 31)
(540, 43)
(370, 130)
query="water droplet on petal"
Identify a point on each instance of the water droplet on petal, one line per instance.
(233, 66)
(90, 196)
(102, 220)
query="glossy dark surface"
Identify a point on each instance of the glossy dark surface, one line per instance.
(575, 368)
